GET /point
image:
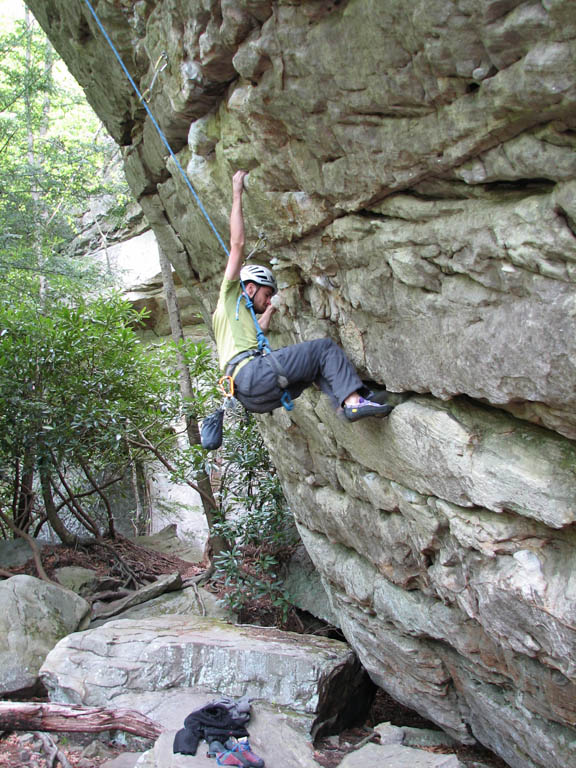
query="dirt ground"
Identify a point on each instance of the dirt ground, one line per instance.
(19, 750)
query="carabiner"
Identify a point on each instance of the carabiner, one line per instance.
(222, 385)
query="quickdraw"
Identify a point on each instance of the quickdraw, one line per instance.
(157, 70)
(261, 243)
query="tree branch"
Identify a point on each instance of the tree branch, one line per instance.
(163, 460)
(94, 490)
(92, 481)
(39, 716)
(76, 510)
(82, 516)
(31, 543)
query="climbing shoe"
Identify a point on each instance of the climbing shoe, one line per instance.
(241, 749)
(364, 409)
(229, 758)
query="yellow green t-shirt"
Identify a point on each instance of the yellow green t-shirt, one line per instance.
(232, 336)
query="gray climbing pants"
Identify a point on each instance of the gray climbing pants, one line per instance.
(320, 362)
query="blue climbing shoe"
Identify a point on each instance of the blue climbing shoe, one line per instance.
(365, 409)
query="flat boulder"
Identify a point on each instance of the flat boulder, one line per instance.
(126, 658)
(34, 616)
(399, 757)
(166, 583)
(195, 601)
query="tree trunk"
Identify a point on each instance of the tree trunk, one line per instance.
(25, 501)
(23, 517)
(65, 536)
(217, 544)
(38, 716)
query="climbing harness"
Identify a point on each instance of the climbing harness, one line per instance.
(265, 349)
(263, 344)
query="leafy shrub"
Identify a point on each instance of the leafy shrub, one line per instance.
(77, 389)
(256, 517)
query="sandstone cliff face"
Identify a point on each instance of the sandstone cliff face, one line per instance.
(412, 166)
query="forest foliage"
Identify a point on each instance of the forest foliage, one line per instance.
(54, 158)
(84, 405)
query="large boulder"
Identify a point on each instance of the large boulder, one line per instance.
(15, 552)
(34, 616)
(132, 658)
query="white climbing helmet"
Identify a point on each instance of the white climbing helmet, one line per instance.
(255, 273)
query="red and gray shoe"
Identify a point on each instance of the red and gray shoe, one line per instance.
(243, 750)
(229, 758)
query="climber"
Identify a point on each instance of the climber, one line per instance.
(261, 379)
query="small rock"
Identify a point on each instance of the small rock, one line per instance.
(389, 734)
(424, 737)
(125, 760)
(96, 749)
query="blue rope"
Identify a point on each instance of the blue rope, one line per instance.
(164, 140)
(263, 343)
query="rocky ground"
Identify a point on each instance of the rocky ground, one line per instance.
(26, 750)
(91, 751)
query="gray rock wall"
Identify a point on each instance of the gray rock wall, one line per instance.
(412, 166)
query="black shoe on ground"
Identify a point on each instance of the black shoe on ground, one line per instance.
(365, 409)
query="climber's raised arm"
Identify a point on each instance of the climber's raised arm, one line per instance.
(236, 256)
(266, 379)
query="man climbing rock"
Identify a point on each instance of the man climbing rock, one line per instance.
(265, 380)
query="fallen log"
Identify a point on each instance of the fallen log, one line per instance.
(45, 716)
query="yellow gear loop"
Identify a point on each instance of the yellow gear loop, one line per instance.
(222, 385)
